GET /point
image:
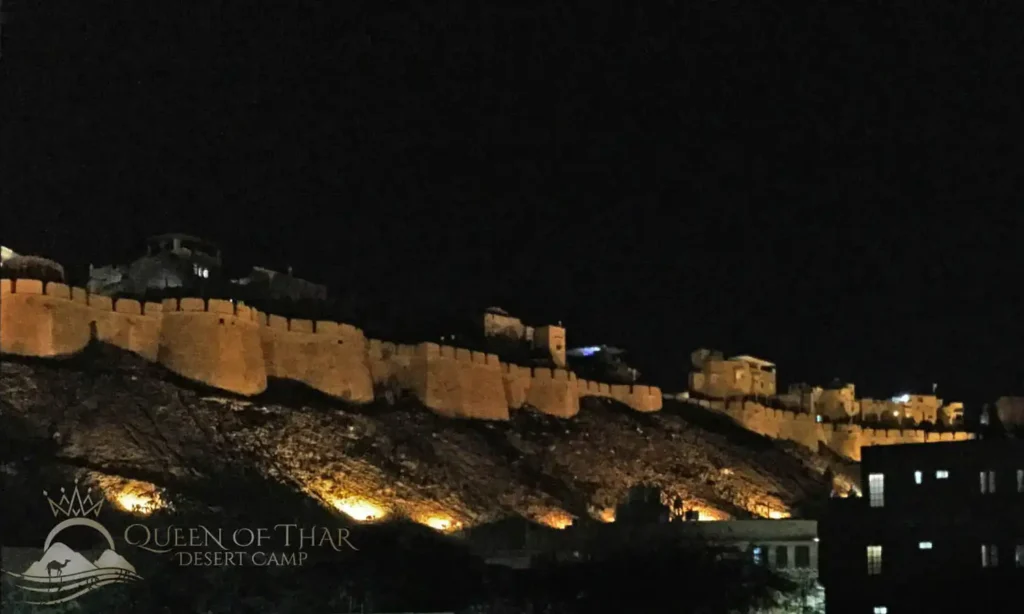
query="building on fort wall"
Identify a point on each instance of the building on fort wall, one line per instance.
(506, 335)
(13, 264)
(187, 263)
(740, 376)
(1010, 411)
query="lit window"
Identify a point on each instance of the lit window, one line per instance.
(987, 481)
(989, 555)
(876, 489)
(881, 609)
(758, 559)
(1020, 480)
(917, 477)
(819, 417)
(874, 560)
(924, 546)
(1018, 556)
(941, 474)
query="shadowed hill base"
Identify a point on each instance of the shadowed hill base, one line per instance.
(117, 413)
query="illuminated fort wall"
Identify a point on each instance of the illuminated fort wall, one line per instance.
(229, 346)
(843, 439)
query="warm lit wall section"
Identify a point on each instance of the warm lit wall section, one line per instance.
(326, 356)
(551, 339)
(843, 439)
(38, 323)
(553, 392)
(229, 346)
(458, 383)
(214, 342)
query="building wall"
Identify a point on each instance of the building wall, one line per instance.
(923, 408)
(232, 347)
(762, 382)
(837, 403)
(1010, 411)
(551, 339)
(498, 325)
(722, 379)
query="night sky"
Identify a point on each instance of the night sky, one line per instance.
(835, 188)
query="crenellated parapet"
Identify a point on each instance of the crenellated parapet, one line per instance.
(214, 342)
(230, 346)
(844, 439)
(327, 356)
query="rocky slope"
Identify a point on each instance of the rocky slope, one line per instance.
(121, 417)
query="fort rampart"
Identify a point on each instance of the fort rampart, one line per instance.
(844, 439)
(227, 345)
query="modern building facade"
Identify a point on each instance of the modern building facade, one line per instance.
(940, 528)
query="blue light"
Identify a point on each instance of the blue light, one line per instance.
(589, 351)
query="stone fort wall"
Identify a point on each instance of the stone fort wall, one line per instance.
(229, 346)
(843, 439)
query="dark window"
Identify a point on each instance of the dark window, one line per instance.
(803, 556)
(782, 557)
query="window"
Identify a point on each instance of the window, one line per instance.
(782, 557)
(917, 477)
(987, 480)
(989, 555)
(881, 609)
(924, 546)
(941, 474)
(1020, 480)
(819, 417)
(1018, 556)
(803, 557)
(758, 556)
(876, 489)
(874, 560)
(738, 375)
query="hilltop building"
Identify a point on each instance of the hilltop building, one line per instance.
(171, 261)
(13, 264)
(1010, 411)
(940, 530)
(283, 286)
(603, 363)
(180, 261)
(507, 335)
(740, 376)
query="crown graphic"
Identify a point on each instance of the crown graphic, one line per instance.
(75, 505)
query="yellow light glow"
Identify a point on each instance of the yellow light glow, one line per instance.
(442, 523)
(777, 515)
(360, 509)
(607, 515)
(557, 520)
(139, 504)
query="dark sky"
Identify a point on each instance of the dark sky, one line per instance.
(832, 187)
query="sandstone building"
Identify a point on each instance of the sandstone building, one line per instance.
(740, 376)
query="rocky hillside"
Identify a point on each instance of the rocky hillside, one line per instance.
(134, 425)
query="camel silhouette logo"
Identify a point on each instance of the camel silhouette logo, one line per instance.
(62, 574)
